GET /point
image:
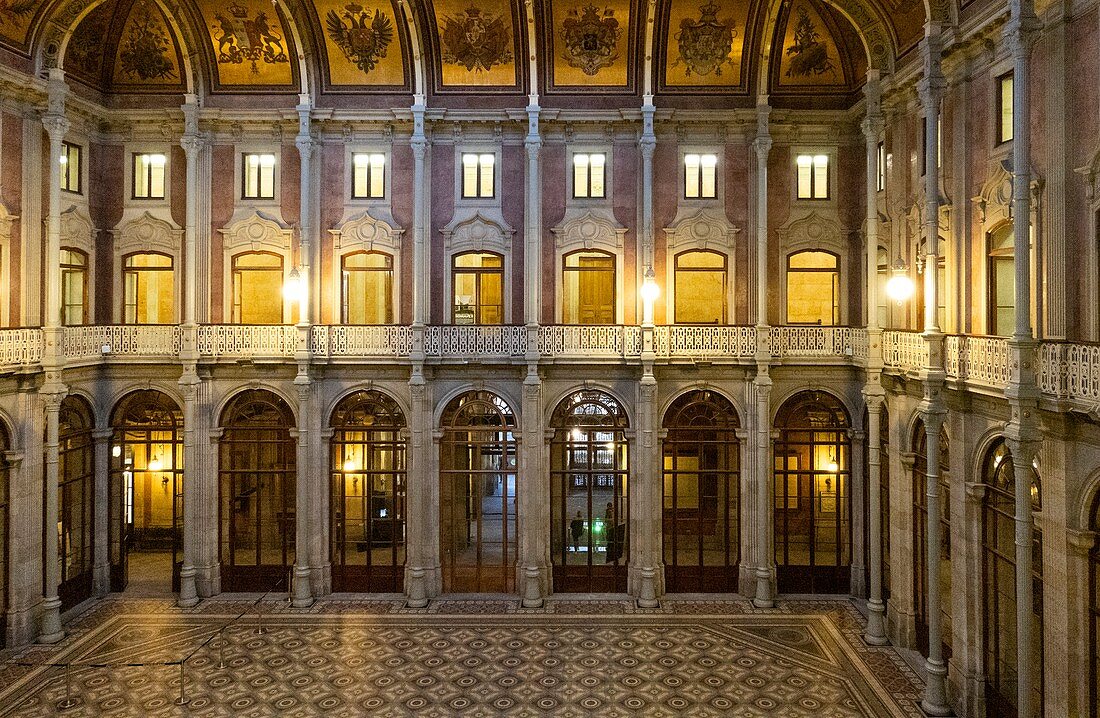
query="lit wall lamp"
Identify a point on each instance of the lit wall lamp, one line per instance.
(351, 468)
(650, 292)
(293, 289)
(900, 287)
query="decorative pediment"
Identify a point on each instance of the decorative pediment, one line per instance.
(6, 221)
(146, 232)
(589, 229)
(77, 229)
(995, 200)
(914, 218)
(1091, 174)
(477, 233)
(704, 229)
(812, 231)
(256, 231)
(366, 232)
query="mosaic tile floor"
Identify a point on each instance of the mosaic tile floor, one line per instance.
(603, 658)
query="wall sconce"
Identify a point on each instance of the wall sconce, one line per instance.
(832, 468)
(155, 464)
(351, 468)
(900, 286)
(293, 289)
(116, 451)
(650, 290)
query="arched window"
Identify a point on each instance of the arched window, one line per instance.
(478, 281)
(700, 288)
(589, 505)
(149, 289)
(257, 288)
(75, 501)
(1002, 280)
(74, 287)
(1094, 612)
(813, 288)
(257, 478)
(367, 292)
(812, 505)
(701, 494)
(883, 501)
(920, 538)
(146, 488)
(5, 528)
(368, 493)
(588, 288)
(999, 586)
(477, 510)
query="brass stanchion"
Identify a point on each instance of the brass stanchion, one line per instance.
(68, 701)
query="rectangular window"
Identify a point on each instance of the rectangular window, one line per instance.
(477, 175)
(71, 165)
(881, 166)
(1004, 108)
(149, 176)
(813, 176)
(588, 175)
(258, 174)
(700, 176)
(368, 179)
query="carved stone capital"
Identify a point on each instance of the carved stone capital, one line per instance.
(57, 126)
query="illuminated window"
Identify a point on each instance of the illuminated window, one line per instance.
(149, 176)
(813, 176)
(588, 175)
(368, 288)
(881, 166)
(74, 287)
(813, 288)
(700, 176)
(477, 175)
(258, 176)
(700, 288)
(478, 288)
(71, 164)
(149, 287)
(1002, 280)
(588, 295)
(368, 176)
(257, 288)
(1004, 108)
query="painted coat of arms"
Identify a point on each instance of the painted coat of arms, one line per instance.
(144, 52)
(809, 55)
(476, 40)
(240, 38)
(11, 11)
(590, 37)
(362, 35)
(705, 44)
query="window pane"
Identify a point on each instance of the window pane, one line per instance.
(691, 175)
(588, 292)
(805, 177)
(491, 300)
(700, 259)
(486, 162)
(469, 175)
(260, 296)
(821, 177)
(368, 296)
(377, 176)
(360, 174)
(465, 296)
(1006, 108)
(580, 175)
(709, 187)
(596, 185)
(813, 260)
(700, 297)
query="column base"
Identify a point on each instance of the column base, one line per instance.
(416, 588)
(50, 630)
(875, 633)
(764, 597)
(301, 597)
(647, 588)
(532, 587)
(189, 593)
(934, 702)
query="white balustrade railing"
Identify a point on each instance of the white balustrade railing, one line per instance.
(247, 340)
(121, 340)
(904, 350)
(360, 341)
(21, 346)
(816, 341)
(475, 341)
(1070, 371)
(584, 342)
(983, 360)
(704, 341)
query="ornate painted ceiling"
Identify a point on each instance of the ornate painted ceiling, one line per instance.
(468, 53)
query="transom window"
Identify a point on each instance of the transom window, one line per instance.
(74, 287)
(1004, 108)
(478, 288)
(588, 175)
(257, 288)
(258, 176)
(813, 176)
(700, 176)
(588, 284)
(477, 175)
(71, 159)
(148, 177)
(149, 289)
(700, 288)
(368, 175)
(813, 288)
(368, 288)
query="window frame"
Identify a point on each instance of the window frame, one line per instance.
(725, 270)
(992, 258)
(880, 184)
(234, 308)
(478, 272)
(700, 173)
(830, 161)
(67, 149)
(615, 288)
(165, 179)
(588, 174)
(461, 174)
(391, 312)
(838, 305)
(243, 166)
(999, 109)
(87, 271)
(369, 153)
(127, 271)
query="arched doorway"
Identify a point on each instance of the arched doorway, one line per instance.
(701, 507)
(812, 504)
(5, 528)
(477, 494)
(368, 493)
(920, 539)
(999, 586)
(75, 501)
(589, 502)
(1094, 612)
(883, 501)
(256, 478)
(146, 491)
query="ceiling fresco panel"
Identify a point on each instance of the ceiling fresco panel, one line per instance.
(476, 44)
(84, 56)
(250, 43)
(590, 44)
(365, 44)
(148, 57)
(812, 54)
(704, 45)
(16, 19)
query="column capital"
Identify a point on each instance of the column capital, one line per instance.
(1021, 30)
(192, 145)
(872, 127)
(419, 148)
(57, 126)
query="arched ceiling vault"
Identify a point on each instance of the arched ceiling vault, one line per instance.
(471, 54)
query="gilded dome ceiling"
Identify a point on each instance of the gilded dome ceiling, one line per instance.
(464, 53)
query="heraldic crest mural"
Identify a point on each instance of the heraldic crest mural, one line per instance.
(706, 44)
(476, 40)
(364, 35)
(252, 37)
(591, 38)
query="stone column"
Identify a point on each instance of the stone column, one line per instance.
(422, 578)
(935, 698)
(50, 628)
(762, 383)
(301, 593)
(421, 220)
(645, 517)
(101, 559)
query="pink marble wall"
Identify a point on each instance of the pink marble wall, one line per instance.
(513, 194)
(333, 191)
(222, 197)
(554, 187)
(443, 207)
(667, 187)
(11, 194)
(737, 183)
(626, 193)
(401, 204)
(106, 185)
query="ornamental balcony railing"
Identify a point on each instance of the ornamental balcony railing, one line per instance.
(360, 341)
(818, 341)
(480, 342)
(21, 347)
(590, 342)
(251, 341)
(704, 342)
(89, 342)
